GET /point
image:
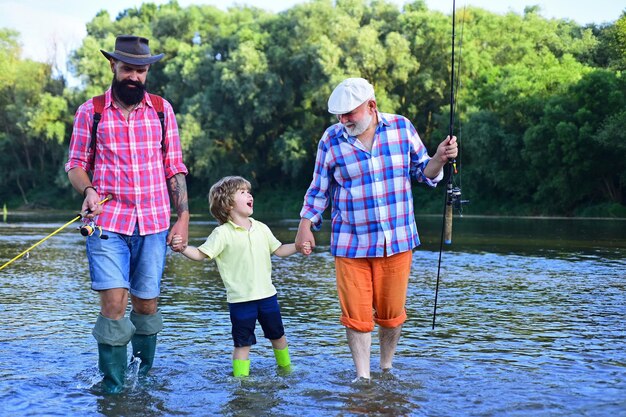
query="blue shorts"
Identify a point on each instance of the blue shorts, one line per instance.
(243, 317)
(132, 262)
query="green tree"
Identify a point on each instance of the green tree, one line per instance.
(32, 124)
(571, 155)
(610, 49)
(534, 112)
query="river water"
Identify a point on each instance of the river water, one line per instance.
(530, 322)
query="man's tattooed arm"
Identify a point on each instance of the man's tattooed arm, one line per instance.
(178, 193)
(177, 186)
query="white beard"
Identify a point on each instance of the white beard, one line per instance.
(360, 126)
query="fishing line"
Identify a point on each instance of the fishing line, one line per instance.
(456, 102)
(78, 217)
(452, 194)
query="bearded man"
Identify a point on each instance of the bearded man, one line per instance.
(365, 165)
(133, 153)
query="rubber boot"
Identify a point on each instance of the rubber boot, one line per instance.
(112, 337)
(144, 348)
(241, 367)
(112, 363)
(282, 357)
(145, 338)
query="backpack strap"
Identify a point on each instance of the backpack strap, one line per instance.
(98, 108)
(157, 102)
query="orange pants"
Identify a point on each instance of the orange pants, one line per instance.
(373, 290)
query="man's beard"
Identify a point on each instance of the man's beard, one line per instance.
(128, 95)
(360, 126)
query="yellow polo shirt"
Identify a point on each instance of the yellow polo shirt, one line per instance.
(243, 259)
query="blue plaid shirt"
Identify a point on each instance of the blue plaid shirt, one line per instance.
(372, 210)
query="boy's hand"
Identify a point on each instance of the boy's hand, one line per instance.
(306, 248)
(177, 243)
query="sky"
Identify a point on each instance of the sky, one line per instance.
(50, 29)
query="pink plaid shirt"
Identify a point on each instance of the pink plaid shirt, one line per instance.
(129, 164)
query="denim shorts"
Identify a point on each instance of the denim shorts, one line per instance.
(132, 262)
(243, 317)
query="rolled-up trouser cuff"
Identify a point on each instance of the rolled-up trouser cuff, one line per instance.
(113, 332)
(147, 324)
(391, 323)
(359, 326)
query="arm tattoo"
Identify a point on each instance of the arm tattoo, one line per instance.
(178, 193)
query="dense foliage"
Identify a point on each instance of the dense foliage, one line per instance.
(540, 106)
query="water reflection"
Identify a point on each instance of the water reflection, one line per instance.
(530, 322)
(384, 396)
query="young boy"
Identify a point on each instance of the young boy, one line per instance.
(241, 247)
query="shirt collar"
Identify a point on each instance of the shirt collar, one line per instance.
(236, 226)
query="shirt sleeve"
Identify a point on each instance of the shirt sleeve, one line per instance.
(80, 150)
(173, 160)
(317, 196)
(214, 244)
(420, 158)
(272, 242)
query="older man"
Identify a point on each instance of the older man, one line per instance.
(135, 155)
(365, 165)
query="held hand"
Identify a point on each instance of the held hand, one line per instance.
(177, 243)
(180, 230)
(306, 248)
(447, 150)
(304, 235)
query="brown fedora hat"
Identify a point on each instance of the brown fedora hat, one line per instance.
(133, 50)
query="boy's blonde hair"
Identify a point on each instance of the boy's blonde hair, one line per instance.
(222, 196)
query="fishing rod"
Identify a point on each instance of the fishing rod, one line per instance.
(85, 230)
(453, 194)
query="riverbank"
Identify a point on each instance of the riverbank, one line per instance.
(287, 203)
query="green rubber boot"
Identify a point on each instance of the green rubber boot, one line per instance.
(112, 337)
(112, 363)
(241, 367)
(282, 357)
(145, 338)
(144, 348)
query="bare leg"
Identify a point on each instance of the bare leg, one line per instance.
(389, 337)
(279, 344)
(144, 306)
(241, 353)
(360, 345)
(113, 303)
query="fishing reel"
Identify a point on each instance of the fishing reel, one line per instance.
(454, 199)
(88, 229)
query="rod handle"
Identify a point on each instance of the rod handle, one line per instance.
(448, 225)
